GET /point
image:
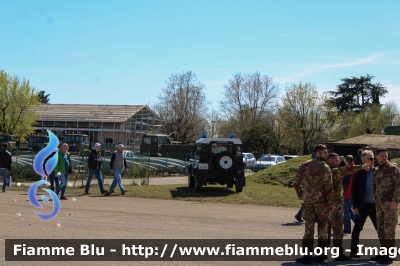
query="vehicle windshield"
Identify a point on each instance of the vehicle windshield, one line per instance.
(268, 159)
(35, 139)
(75, 139)
(4, 138)
(218, 147)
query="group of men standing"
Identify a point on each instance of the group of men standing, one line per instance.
(375, 194)
(59, 176)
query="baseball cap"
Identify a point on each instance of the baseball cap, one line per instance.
(121, 145)
(97, 145)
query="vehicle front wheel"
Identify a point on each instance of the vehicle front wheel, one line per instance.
(238, 189)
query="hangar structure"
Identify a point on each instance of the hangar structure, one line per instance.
(106, 124)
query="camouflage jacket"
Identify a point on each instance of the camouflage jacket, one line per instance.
(313, 182)
(386, 183)
(337, 176)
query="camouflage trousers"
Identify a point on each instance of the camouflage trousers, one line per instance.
(386, 220)
(336, 223)
(312, 214)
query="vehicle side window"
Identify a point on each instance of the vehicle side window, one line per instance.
(198, 150)
(238, 150)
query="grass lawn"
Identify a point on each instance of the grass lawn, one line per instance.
(253, 193)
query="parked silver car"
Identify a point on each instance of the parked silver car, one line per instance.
(268, 161)
(249, 159)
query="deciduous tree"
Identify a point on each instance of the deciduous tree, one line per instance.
(182, 106)
(302, 116)
(249, 99)
(17, 105)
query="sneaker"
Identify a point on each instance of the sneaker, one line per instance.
(305, 260)
(298, 218)
(320, 259)
(385, 260)
(63, 198)
(376, 258)
(123, 192)
(342, 257)
(354, 255)
(109, 193)
(104, 191)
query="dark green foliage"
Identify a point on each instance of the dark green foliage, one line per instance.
(355, 93)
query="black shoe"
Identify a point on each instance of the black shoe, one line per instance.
(4, 190)
(298, 218)
(109, 193)
(87, 193)
(104, 191)
(123, 192)
(385, 260)
(305, 260)
(377, 258)
(342, 257)
(347, 231)
(320, 259)
(354, 255)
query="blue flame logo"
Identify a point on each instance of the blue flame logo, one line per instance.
(44, 163)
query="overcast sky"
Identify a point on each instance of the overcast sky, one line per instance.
(122, 52)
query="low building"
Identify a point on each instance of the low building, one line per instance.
(106, 124)
(373, 141)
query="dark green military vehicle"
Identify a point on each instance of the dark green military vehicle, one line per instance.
(217, 160)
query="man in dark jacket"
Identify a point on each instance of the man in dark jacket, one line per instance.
(5, 164)
(363, 200)
(95, 160)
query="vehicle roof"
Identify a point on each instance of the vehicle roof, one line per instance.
(209, 140)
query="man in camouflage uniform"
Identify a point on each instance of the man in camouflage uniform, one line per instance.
(336, 216)
(386, 187)
(313, 185)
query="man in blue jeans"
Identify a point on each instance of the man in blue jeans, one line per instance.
(5, 164)
(62, 169)
(94, 161)
(117, 164)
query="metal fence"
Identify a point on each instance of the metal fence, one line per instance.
(139, 166)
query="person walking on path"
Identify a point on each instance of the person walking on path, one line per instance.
(5, 165)
(62, 170)
(95, 161)
(117, 164)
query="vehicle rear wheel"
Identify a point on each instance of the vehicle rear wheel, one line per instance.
(238, 189)
(197, 185)
(190, 180)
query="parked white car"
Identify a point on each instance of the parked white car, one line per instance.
(249, 159)
(268, 161)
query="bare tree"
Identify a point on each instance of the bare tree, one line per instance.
(391, 113)
(248, 98)
(182, 106)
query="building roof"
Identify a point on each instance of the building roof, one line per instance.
(373, 141)
(89, 112)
